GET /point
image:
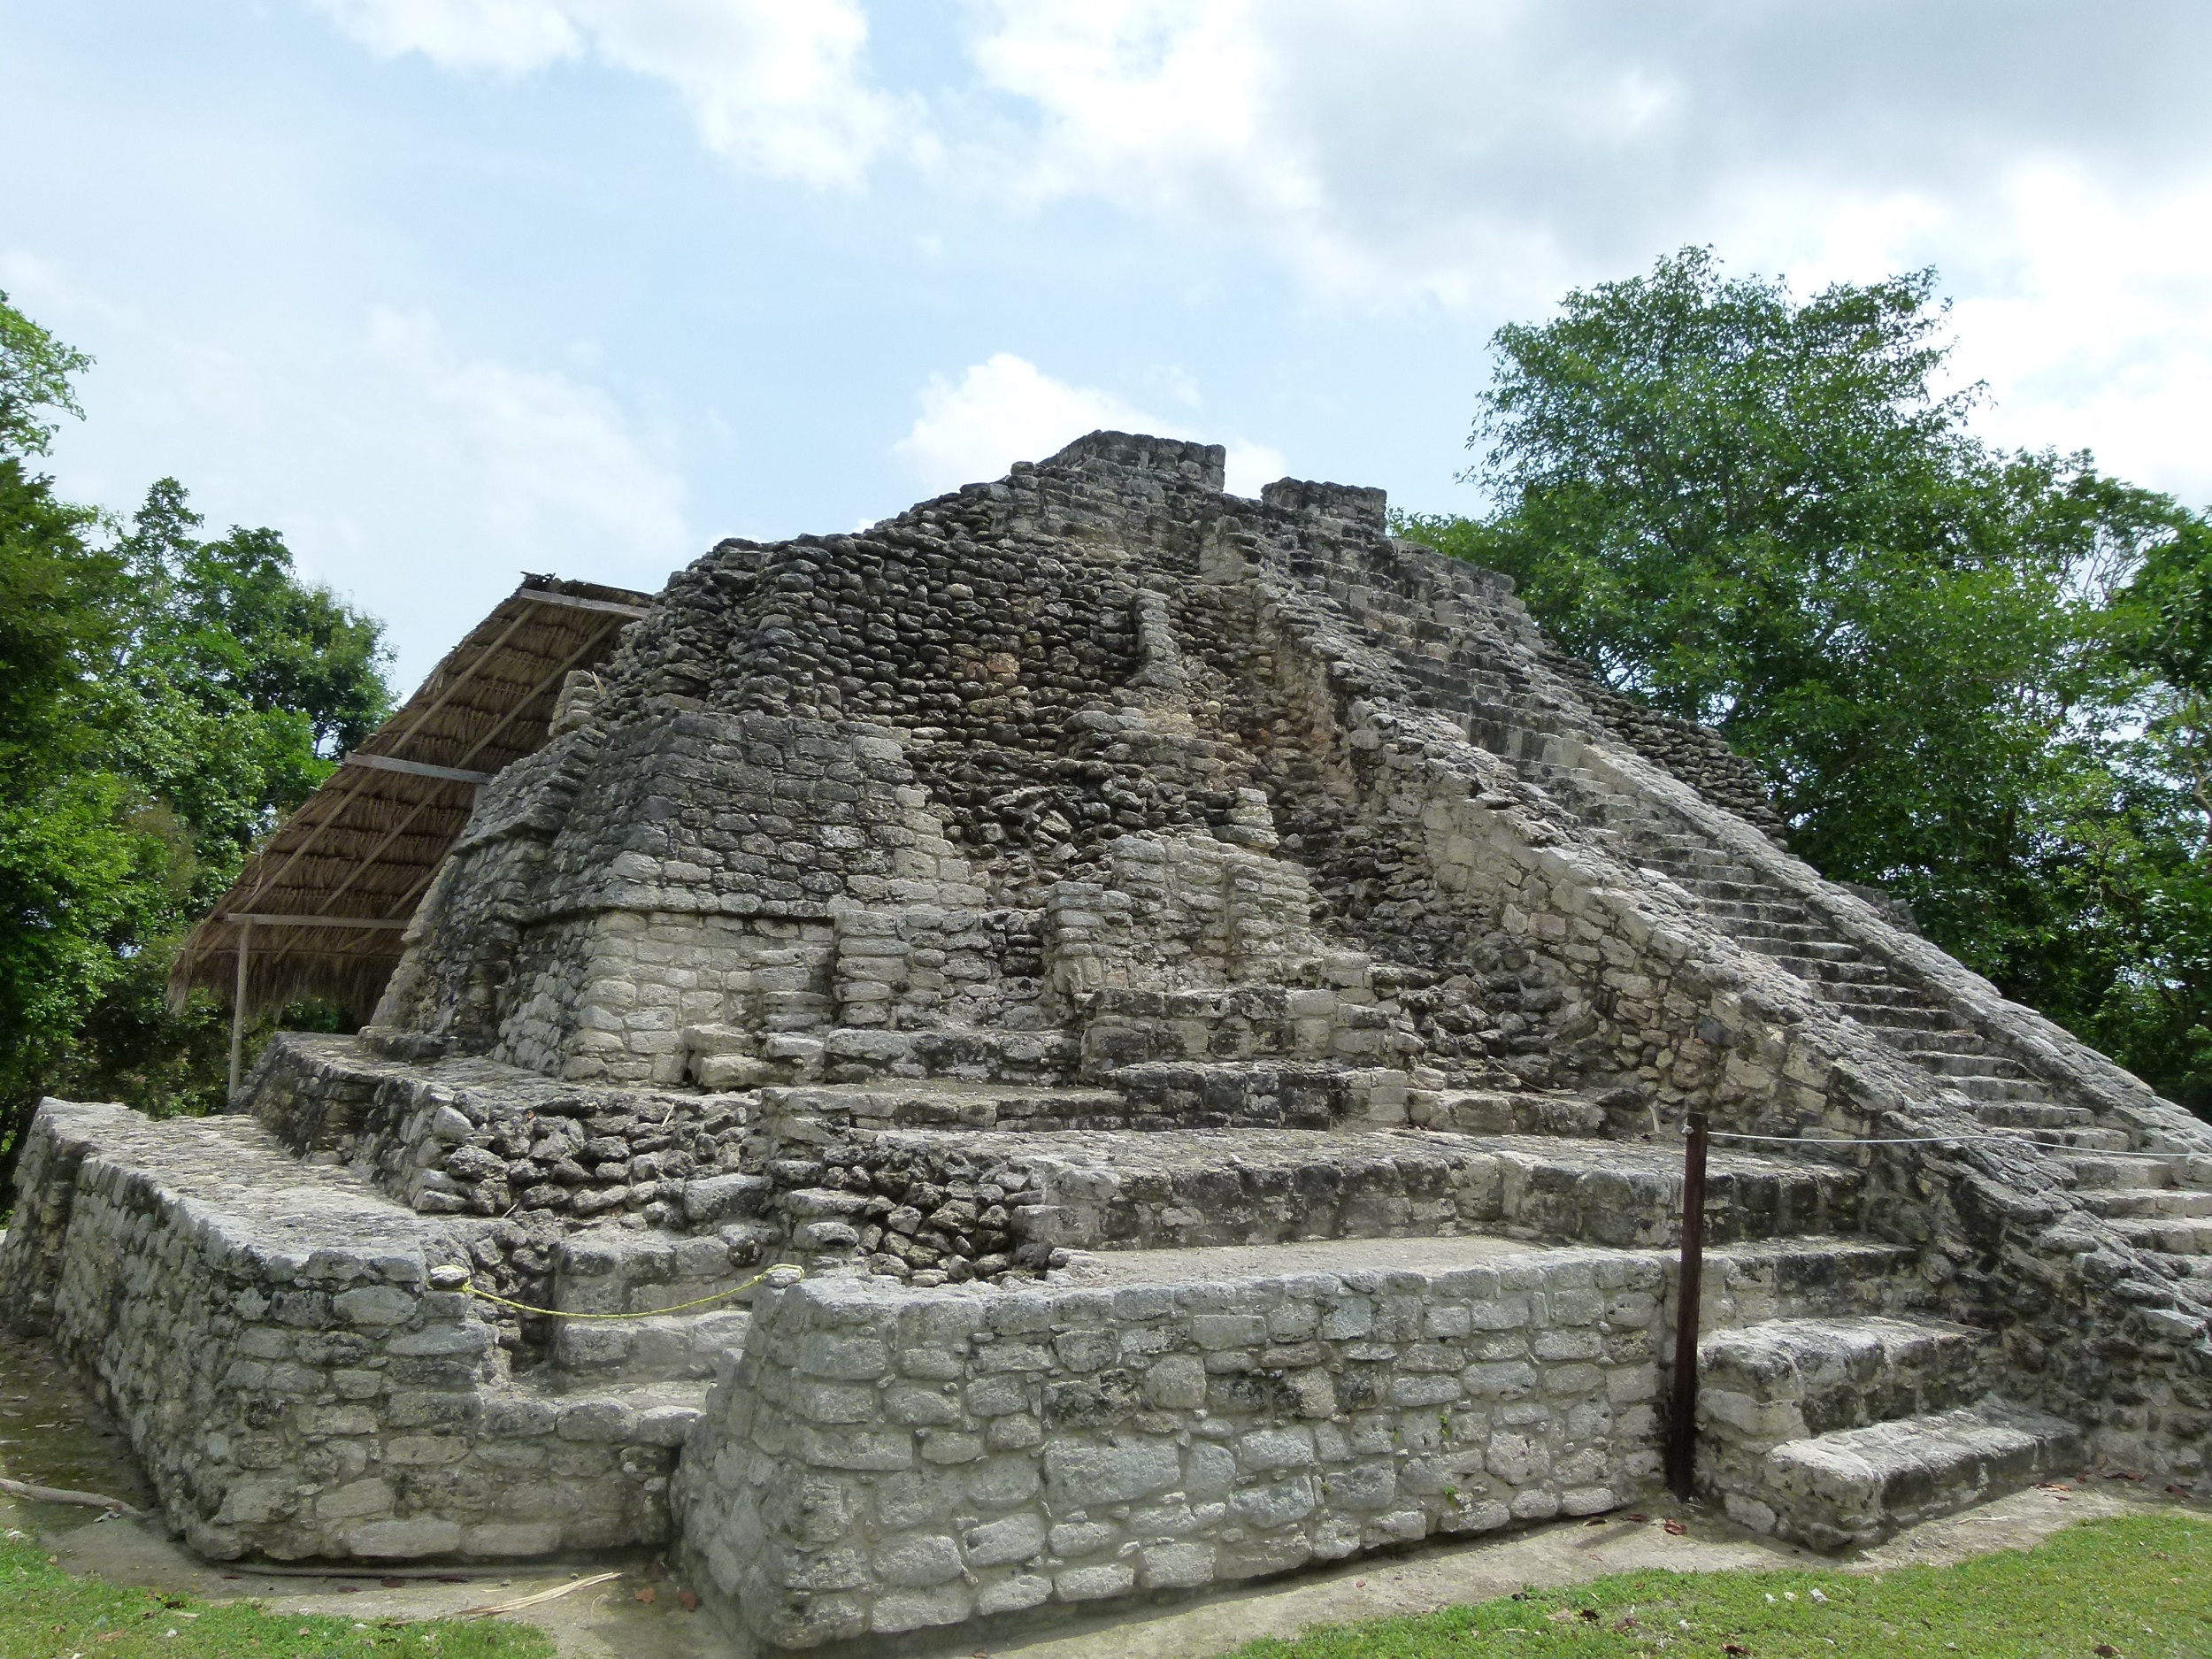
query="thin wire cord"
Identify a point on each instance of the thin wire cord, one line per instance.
(2016, 1138)
(681, 1307)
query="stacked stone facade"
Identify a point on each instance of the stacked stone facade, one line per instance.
(1029, 919)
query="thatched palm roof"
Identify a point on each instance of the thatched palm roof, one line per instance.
(323, 902)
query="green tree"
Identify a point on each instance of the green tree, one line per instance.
(163, 700)
(72, 867)
(2136, 957)
(35, 371)
(1765, 514)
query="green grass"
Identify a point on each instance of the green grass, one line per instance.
(46, 1613)
(2139, 1587)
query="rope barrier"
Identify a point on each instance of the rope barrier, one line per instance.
(2017, 1137)
(681, 1307)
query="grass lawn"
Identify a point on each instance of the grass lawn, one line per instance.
(46, 1613)
(2139, 1587)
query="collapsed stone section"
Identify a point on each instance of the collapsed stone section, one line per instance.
(954, 723)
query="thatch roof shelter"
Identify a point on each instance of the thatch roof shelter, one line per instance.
(319, 909)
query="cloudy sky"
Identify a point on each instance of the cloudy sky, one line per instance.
(446, 289)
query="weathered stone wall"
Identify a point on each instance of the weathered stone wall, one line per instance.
(295, 1364)
(924, 967)
(458, 979)
(877, 1463)
(689, 876)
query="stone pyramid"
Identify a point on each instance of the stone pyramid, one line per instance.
(1203, 997)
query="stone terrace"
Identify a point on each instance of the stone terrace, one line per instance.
(1190, 1002)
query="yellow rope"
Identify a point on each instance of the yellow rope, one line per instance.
(681, 1307)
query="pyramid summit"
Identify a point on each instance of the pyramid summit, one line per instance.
(1206, 997)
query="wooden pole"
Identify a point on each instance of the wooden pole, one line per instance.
(1682, 1406)
(238, 1007)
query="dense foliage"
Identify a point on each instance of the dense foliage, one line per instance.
(163, 699)
(1980, 680)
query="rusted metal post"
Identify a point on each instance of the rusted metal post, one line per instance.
(238, 1009)
(1682, 1405)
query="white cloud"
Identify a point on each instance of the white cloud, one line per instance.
(415, 477)
(1006, 409)
(1474, 150)
(2099, 335)
(547, 456)
(1334, 135)
(1486, 155)
(514, 36)
(777, 87)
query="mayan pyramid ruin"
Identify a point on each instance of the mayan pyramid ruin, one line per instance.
(1197, 1002)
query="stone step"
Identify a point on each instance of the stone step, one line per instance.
(1824, 971)
(1767, 933)
(1809, 946)
(2124, 1202)
(1787, 1379)
(611, 1270)
(1957, 1062)
(1260, 1094)
(1715, 878)
(727, 1057)
(1739, 892)
(1339, 1022)
(1856, 1485)
(1675, 852)
(635, 1288)
(667, 1348)
(2173, 1235)
(1910, 1025)
(1998, 1089)
(945, 1103)
(2096, 1172)
(1812, 1276)
(2062, 1140)
(1866, 1003)
(1497, 1112)
(2033, 1115)
(1748, 911)
(1188, 1189)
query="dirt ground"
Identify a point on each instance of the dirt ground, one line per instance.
(50, 1433)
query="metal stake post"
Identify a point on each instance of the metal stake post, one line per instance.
(238, 1007)
(1682, 1408)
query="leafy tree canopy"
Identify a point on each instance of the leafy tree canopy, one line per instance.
(1967, 675)
(163, 699)
(34, 374)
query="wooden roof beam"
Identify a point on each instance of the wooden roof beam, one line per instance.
(418, 768)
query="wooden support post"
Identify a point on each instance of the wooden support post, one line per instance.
(1682, 1405)
(238, 1008)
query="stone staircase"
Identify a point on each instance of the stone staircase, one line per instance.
(2161, 1200)
(1833, 1431)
